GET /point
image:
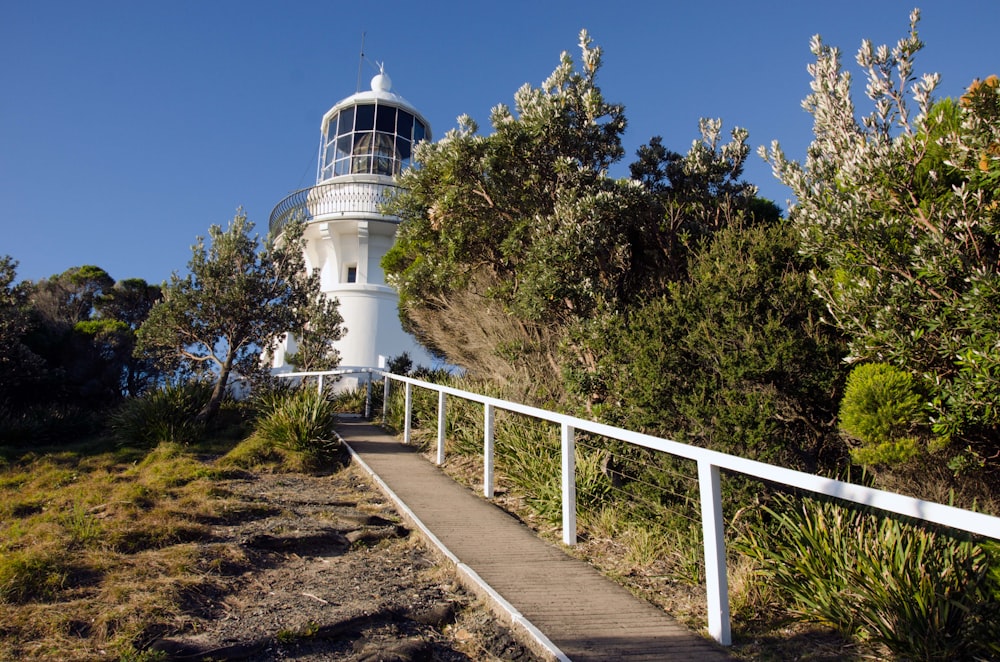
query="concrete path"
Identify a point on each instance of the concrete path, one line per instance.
(569, 609)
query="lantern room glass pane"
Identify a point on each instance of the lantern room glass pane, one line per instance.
(403, 148)
(404, 125)
(419, 131)
(385, 119)
(385, 154)
(343, 147)
(346, 124)
(364, 118)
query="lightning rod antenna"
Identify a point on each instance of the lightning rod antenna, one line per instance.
(361, 60)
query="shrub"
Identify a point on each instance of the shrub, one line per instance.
(302, 422)
(168, 414)
(921, 593)
(733, 358)
(47, 422)
(881, 408)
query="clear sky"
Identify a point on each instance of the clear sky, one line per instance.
(127, 128)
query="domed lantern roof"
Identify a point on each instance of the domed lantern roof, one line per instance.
(370, 133)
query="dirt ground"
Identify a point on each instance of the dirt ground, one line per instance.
(320, 568)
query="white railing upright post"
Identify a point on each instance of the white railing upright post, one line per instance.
(368, 397)
(320, 386)
(568, 484)
(489, 423)
(441, 421)
(385, 398)
(713, 531)
(407, 425)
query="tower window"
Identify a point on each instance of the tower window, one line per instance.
(352, 274)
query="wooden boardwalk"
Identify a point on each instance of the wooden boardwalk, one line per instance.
(568, 610)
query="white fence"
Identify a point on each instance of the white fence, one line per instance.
(709, 479)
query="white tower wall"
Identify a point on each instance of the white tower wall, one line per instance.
(366, 139)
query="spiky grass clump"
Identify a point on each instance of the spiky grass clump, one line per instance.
(917, 591)
(168, 414)
(301, 422)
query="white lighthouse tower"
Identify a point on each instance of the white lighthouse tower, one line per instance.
(366, 140)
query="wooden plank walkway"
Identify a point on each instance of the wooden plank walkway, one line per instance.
(567, 608)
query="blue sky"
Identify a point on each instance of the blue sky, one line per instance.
(128, 128)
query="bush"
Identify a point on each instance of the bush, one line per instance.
(881, 408)
(169, 414)
(52, 422)
(921, 593)
(302, 422)
(734, 358)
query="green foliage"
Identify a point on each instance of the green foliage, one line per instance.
(302, 421)
(71, 296)
(507, 236)
(253, 452)
(882, 408)
(901, 212)
(31, 575)
(400, 365)
(919, 592)
(512, 239)
(734, 358)
(19, 365)
(167, 414)
(352, 401)
(68, 340)
(233, 304)
(323, 327)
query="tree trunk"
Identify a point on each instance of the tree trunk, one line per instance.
(211, 408)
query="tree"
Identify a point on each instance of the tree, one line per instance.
(510, 239)
(323, 327)
(505, 237)
(83, 326)
(733, 357)
(18, 364)
(901, 212)
(70, 297)
(232, 305)
(128, 304)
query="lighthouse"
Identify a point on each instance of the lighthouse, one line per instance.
(366, 140)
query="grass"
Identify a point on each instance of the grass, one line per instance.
(96, 547)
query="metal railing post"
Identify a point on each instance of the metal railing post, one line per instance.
(713, 530)
(489, 421)
(441, 421)
(407, 424)
(368, 397)
(385, 398)
(320, 387)
(568, 484)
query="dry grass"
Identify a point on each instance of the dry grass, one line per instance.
(95, 549)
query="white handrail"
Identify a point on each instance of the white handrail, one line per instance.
(709, 464)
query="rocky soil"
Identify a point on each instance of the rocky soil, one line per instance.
(320, 568)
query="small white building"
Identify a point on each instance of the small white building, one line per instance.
(366, 140)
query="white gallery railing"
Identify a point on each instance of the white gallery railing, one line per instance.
(340, 197)
(709, 464)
